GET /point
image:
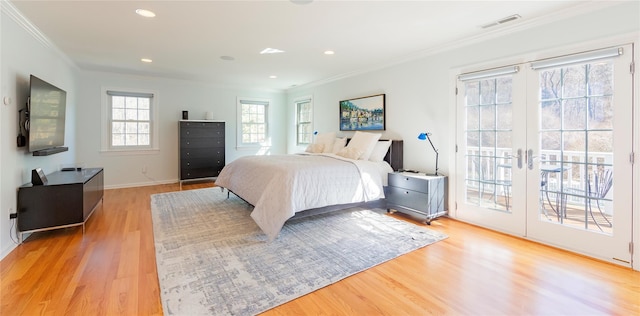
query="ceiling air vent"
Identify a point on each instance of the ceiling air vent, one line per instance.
(501, 21)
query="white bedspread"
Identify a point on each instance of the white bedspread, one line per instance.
(280, 185)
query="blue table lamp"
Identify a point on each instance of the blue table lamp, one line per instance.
(424, 136)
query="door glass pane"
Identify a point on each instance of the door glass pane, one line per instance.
(488, 133)
(576, 146)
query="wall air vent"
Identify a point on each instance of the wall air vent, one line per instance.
(501, 21)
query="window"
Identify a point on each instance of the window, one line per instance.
(252, 122)
(129, 121)
(304, 121)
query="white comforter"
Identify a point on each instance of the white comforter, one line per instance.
(280, 185)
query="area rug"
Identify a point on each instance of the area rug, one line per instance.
(213, 259)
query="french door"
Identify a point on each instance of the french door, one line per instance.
(539, 148)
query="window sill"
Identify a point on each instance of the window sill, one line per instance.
(129, 152)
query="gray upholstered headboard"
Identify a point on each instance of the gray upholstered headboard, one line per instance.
(395, 155)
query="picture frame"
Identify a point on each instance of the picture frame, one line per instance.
(363, 114)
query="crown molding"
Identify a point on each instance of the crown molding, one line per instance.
(9, 10)
(499, 31)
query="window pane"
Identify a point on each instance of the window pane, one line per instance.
(117, 139)
(131, 114)
(601, 113)
(117, 127)
(143, 115)
(144, 128)
(601, 79)
(143, 103)
(488, 117)
(488, 91)
(143, 139)
(117, 114)
(574, 83)
(131, 127)
(575, 114)
(472, 94)
(117, 102)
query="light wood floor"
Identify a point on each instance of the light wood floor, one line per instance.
(111, 270)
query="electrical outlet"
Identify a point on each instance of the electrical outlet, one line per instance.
(144, 169)
(12, 215)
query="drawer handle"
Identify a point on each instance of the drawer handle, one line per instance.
(188, 133)
(406, 179)
(406, 192)
(188, 164)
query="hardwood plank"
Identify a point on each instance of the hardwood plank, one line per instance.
(111, 269)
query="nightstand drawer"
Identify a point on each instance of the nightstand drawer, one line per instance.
(399, 180)
(407, 198)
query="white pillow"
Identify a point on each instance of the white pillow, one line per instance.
(315, 148)
(339, 143)
(351, 153)
(380, 150)
(364, 142)
(326, 139)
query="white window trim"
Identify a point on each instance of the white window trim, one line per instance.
(239, 144)
(105, 130)
(308, 98)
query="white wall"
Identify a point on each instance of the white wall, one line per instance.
(420, 93)
(22, 55)
(174, 96)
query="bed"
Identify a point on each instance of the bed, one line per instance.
(283, 186)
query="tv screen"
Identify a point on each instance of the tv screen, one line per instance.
(47, 105)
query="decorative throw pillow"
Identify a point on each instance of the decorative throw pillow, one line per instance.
(326, 139)
(351, 153)
(315, 148)
(339, 143)
(380, 150)
(364, 142)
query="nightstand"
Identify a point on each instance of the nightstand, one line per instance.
(418, 193)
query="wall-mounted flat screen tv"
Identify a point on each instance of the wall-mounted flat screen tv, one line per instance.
(47, 106)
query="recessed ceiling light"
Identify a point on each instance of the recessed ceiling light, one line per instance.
(329, 52)
(145, 13)
(271, 51)
(146, 60)
(273, 77)
(228, 58)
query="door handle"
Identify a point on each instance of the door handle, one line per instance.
(518, 156)
(530, 157)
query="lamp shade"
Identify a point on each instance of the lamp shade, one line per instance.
(425, 136)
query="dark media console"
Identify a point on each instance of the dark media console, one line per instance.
(67, 199)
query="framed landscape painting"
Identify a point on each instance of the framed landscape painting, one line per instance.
(366, 113)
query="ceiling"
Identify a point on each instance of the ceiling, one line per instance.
(186, 39)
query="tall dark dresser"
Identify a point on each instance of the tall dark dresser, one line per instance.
(201, 149)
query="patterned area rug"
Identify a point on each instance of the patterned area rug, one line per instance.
(214, 260)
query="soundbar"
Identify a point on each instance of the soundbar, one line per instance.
(50, 151)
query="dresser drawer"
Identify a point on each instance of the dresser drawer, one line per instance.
(204, 142)
(196, 173)
(200, 162)
(399, 180)
(407, 198)
(195, 132)
(207, 152)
